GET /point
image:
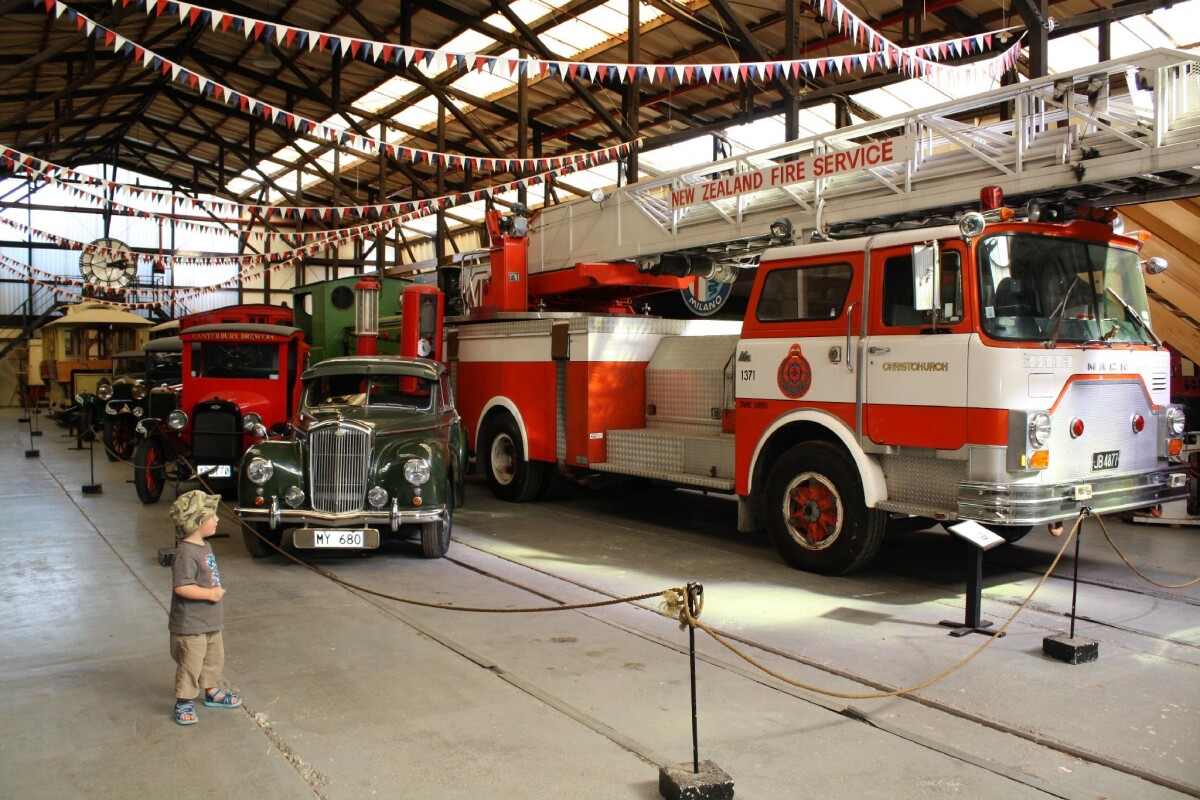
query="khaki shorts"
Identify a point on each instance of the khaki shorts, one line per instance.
(200, 658)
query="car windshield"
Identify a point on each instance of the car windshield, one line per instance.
(1053, 289)
(393, 391)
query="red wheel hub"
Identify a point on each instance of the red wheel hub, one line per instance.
(814, 511)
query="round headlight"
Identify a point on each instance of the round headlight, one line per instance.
(1175, 422)
(294, 496)
(177, 420)
(251, 421)
(104, 391)
(377, 497)
(139, 390)
(259, 470)
(971, 224)
(416, 471)
(1039, 429)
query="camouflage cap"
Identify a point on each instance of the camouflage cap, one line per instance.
(191, 509)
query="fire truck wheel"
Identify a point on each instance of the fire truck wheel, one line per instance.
(149, 470)
(435, 536)
(511, 476)
(255, 546)
(1010, 533)
(120, 438)
(815, 512)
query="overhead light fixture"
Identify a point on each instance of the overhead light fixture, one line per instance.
(266, 59)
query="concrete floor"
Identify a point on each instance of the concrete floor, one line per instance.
(348, 695)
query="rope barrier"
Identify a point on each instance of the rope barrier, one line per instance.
(897, 692)
(674, 603)
(1135, 570)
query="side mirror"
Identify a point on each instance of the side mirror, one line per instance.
(925, 282)
(1155, 265)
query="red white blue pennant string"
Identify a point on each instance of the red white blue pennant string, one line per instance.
(341, 137)
(249, 214)
(917, 61)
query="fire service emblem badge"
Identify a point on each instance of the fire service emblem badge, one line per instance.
(795, 374)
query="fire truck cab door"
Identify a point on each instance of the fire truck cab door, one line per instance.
(915, 372)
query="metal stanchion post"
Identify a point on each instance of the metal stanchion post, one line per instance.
(93, 487)
(698, 780)
(31, 452)
(1069, 648)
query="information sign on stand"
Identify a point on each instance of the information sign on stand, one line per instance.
(978, 539)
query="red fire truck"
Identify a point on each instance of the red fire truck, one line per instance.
(1003, 373)
(993, 365)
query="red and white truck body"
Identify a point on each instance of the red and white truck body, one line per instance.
(839, 400)
(949, 367)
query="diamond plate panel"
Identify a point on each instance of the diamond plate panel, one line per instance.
(687, 452)
(685, 380)
(923, 481)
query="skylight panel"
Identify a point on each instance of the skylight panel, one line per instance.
(681, 155)
(573, 37)
(468, 42)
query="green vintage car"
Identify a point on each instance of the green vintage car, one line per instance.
(375, 451)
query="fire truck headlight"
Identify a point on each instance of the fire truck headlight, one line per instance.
(1039, 429)
(177, 420)
(416, 471)
(104, 391)
(1176, 421)
(259, 470)
(971, 224)
(139, 390)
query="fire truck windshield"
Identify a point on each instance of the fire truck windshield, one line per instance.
(1041, 288)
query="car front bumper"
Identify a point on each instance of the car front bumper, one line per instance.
(393, 517)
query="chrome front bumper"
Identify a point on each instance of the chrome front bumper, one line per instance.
(395, 516)
(1030, 504)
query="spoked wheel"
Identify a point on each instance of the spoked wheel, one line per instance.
(120, 438)
(435, 536)
(816, 515)
(511, 476)
(255, 545)
(149, 470)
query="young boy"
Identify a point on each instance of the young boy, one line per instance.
(196, 610)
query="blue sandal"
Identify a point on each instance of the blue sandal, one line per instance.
(183, 709)
(222, 698)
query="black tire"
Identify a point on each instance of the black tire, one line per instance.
(1010, 533)
(255, 546)
(815, 512)
(120, 437)
(435, 536)
(149, 470)
(512, 477)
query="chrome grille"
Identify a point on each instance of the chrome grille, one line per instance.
(339, 454)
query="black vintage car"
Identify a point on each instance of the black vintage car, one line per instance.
(124, 399)
(375, 451)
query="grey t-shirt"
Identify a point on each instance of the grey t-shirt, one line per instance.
(194, 563)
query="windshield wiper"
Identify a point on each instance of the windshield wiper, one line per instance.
(1059, 312)
(1137, 318)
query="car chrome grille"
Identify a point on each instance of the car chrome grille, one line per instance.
(338, 458)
